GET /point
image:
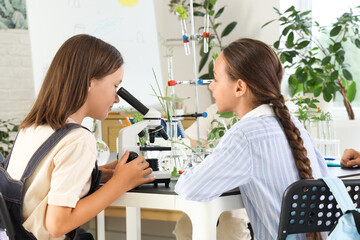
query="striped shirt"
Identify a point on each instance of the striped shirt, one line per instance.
(255, 156)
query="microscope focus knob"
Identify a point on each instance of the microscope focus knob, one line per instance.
(132, 156)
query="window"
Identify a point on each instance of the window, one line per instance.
(334, 9)
(325, 12)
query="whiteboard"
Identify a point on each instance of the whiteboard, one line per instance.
(129, 25)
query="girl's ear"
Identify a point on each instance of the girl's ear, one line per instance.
(240, 88)
(91, 83)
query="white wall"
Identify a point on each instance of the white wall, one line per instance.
(16, 81)
(131, 29)
(250, 15)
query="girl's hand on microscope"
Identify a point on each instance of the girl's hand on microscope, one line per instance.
(107, 171)
(132, 174)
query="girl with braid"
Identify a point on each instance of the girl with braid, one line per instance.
(263, 153)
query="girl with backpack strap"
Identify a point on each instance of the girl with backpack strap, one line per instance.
(82, 81)
(265, 151)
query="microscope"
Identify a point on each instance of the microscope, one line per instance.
(128, 136)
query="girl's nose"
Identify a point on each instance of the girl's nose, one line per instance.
(116, 98)
(210, 85)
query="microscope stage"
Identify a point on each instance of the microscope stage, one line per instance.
(160, 174)
(160, 177)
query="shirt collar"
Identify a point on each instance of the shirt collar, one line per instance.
(262, 110)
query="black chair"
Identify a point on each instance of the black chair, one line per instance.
(5, 220)
(309, 206)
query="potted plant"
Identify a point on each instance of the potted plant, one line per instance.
(319, 63)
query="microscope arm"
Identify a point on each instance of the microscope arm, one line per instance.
(128, 138)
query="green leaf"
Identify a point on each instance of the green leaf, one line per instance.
(332, 88)
(314, 82)
(312, 105)
(340, 53)
(286, 30)
(282, 58)
(357, 43)
(227, 30)
(203, 61)
(268, 23)
(302, 45)
(317, 91)
(336, 46)
(277, 44)
(196, 5)
(216, 25)
(327, 95)
(335, 31)
(334, 75)
(340, 59)
(305, 13)
(218, 14)
(290, 40)
(226, 114)
(290, 9)
(199, 14)
(319, 70)
(326, 60)
(181, 11)
(212, 2)
(347, 74)
(351, 91)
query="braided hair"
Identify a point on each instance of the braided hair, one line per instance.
(257, 64)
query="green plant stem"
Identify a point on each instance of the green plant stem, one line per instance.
(216, 34)
(186, 146)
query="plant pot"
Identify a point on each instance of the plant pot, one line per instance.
(348, 132)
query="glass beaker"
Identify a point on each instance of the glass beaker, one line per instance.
(103, 152)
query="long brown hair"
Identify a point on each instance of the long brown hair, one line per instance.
(65, 87)
(258, 65)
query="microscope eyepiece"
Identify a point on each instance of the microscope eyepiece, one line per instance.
(130, 99)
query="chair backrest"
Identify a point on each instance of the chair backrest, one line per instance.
(309, 206)
(5, 220)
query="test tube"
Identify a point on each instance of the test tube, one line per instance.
(170, 68)
(200, 82)
(206, 34)
(185, 36)
(171, 75)
(174, 82)
(204, 81)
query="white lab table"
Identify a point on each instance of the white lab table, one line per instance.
(203, 215)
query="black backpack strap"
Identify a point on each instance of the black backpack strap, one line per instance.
(95, 179)
(356, 216)
(5, 162)
(45, 148)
